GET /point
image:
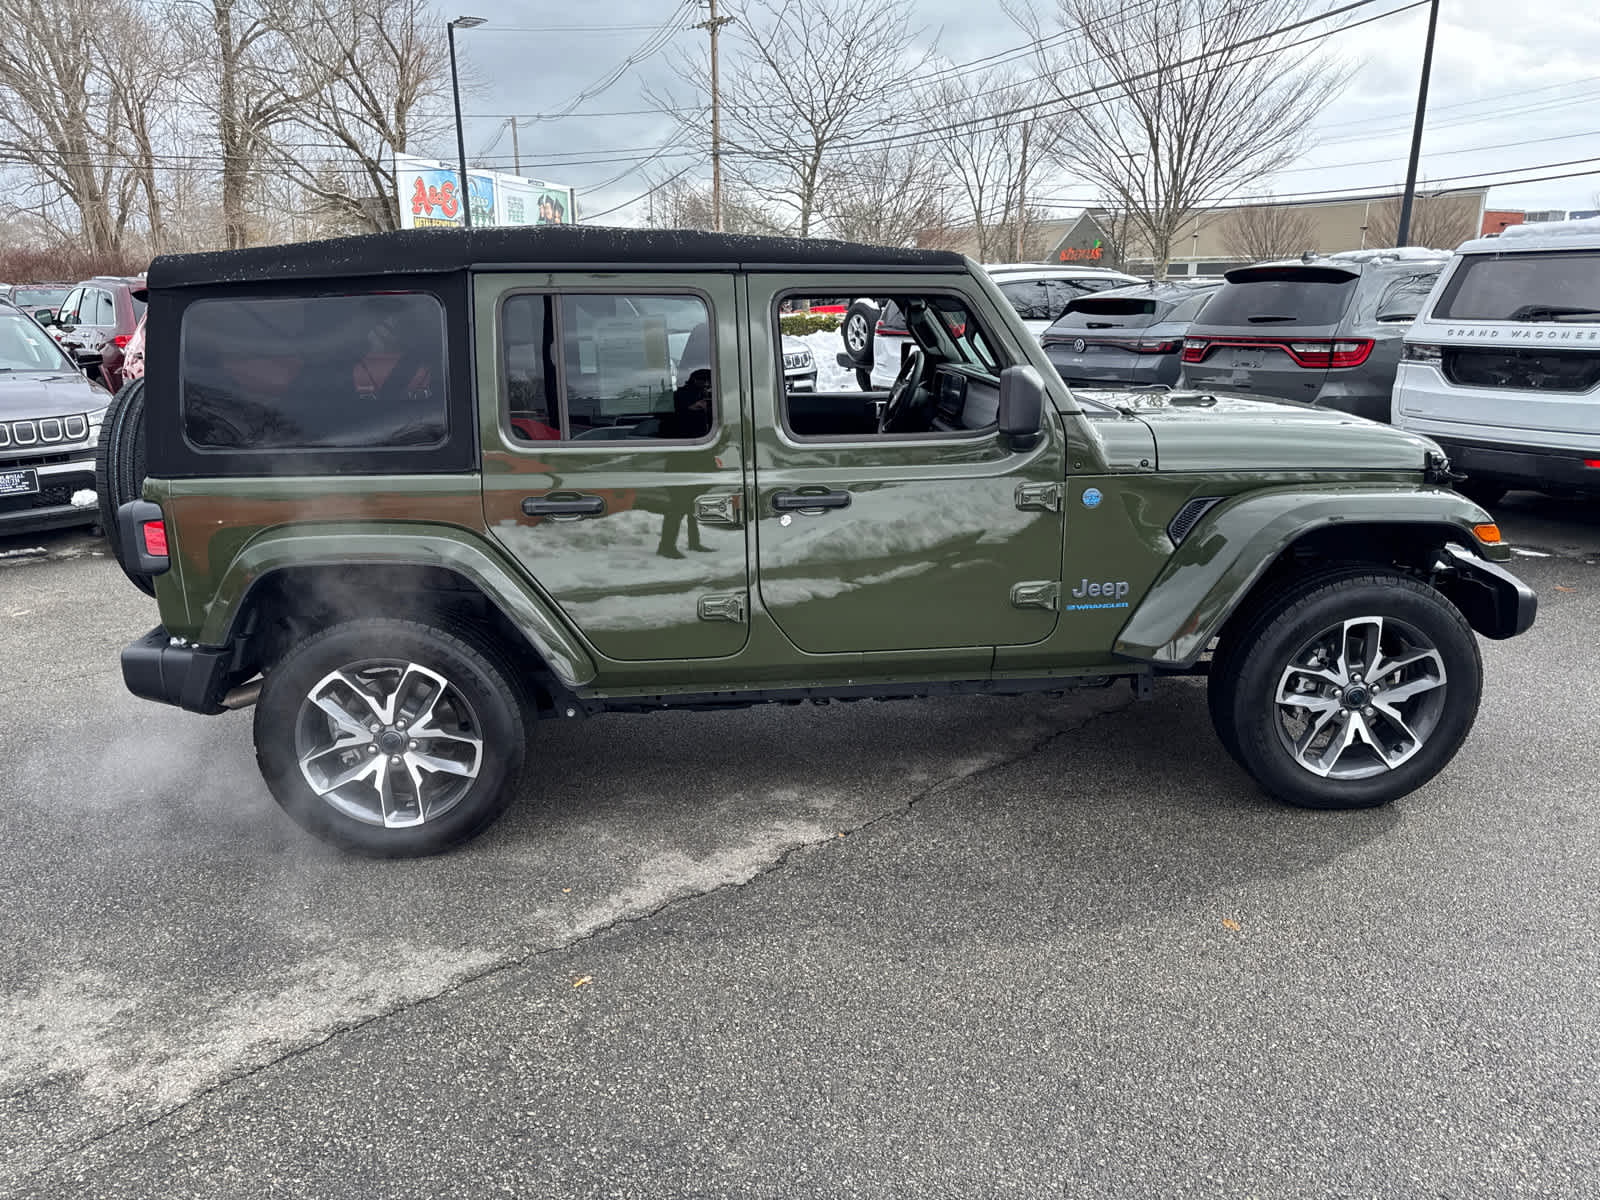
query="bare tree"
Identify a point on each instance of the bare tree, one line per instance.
(255, 84)
(1442, 222)
(1180, 104)
(893, 196)
(799, 81)
(385, 74)
(59, 117)
(1262, 231)
(994, 161)
(681, 204)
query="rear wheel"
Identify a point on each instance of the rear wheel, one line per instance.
(119, 469)
(390, 738)
(1349, 692)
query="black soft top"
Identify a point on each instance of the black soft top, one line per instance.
(426, 251)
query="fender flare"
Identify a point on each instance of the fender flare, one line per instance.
(1219, 562)
(446, 548)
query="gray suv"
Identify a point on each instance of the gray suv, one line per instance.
(1324, 331)
(1129, 336)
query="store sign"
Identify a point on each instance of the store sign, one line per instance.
(1083, 253)
(430, 195)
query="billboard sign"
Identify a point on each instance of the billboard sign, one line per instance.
(430, 195)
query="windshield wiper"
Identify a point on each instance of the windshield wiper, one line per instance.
(1551, 312)
(1266, 317)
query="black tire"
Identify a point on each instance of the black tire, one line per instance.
(482, 701)
(1482, 492)
(1244, 686)
(119, 469)
(864, 379)
(857, 331)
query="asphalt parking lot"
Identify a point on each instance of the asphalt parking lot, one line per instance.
(980, 947)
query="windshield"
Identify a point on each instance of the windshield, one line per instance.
(31, 298)
(1562, 286)
(26, 347)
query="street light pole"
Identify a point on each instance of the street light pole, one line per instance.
(455, 93)
(1402, 234)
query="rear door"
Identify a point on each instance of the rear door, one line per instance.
(613, 462)
(1269, 330)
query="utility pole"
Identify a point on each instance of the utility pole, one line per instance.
(516, 154)
(1402, 234)
(714, 23)
(1022, 190)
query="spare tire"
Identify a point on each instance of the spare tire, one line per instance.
(859, 325)
(119, 468)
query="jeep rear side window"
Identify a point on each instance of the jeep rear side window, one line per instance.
(631, 366)
(314, 373)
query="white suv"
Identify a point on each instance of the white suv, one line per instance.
(1502, 367)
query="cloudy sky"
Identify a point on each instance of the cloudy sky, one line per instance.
(1513, 96)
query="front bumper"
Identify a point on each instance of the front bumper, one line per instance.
(51, 506)
(801, 381)
(1518, 466)
(158, 667)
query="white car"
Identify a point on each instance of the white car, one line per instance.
(1502, 365)
(875, 336)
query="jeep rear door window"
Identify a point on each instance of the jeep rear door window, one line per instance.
(1562, 286)
(631, 366)
(314, 373)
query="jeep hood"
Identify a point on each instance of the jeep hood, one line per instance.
(34, 394)
(1218, 431)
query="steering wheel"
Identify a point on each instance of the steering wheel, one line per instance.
(900, 391)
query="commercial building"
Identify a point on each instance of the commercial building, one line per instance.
(1214, 240)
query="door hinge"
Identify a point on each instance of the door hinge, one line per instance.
(728, 607)
(1039, 497)
(1036, 593)
(718, 508)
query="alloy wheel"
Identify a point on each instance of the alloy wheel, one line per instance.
(388, 742)
(1360, 698)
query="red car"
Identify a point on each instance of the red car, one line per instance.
(97, 321)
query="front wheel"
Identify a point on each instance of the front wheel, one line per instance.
(1349, 692)
(390, 738)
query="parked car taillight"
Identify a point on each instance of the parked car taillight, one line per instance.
(1423, 354)
(121, 340)
(1303, 352)
(891, 330)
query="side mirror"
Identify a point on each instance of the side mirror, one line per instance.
(44, 316)
(1021, 406)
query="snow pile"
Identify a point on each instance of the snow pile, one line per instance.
(84, 498)
(1587, 227)
(825, 346)
(1393, 254)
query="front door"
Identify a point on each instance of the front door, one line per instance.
(906, 521)
(612, 465)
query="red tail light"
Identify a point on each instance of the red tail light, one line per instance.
(891, 330)
(1592, 463)
(1303, 352)
(155, 538)
(121, 340)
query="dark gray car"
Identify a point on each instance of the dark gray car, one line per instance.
(1128, 336)
(1325, 331)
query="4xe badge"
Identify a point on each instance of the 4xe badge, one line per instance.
(1092, 497)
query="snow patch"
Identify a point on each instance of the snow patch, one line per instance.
(25, 552)
(1529, 553)
(825, 345)
(1586, 227)
(86, 498)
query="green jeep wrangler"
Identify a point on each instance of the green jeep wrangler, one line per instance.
(409, 493)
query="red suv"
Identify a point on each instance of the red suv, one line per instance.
(97, 321)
